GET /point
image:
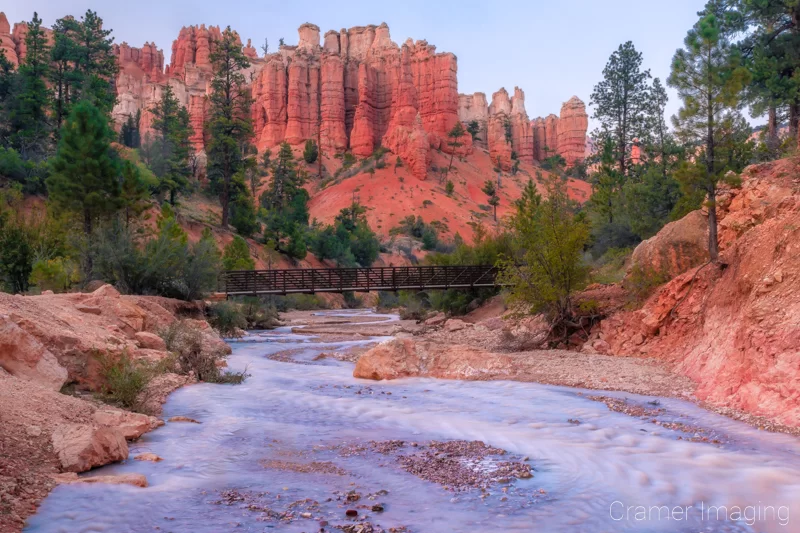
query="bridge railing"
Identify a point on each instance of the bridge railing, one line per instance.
(313, 280)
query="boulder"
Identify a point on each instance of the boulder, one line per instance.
(23, 356)
(679, 246)
(130, 425)
(81, 447)
(150, 341)
(151, 457)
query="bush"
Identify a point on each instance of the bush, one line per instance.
(259, 314)
(227, 318)
(124, 379)
(186, 343)
(388, 301)
(449, 187)
(56, 275)
(642, 281)
(351, 301)
(300, 302)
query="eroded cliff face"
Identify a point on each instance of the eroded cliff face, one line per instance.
(506, 130)
(355, 89)
(733, 329)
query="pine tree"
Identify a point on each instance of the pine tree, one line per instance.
(285, 201)
(28, 113)
(129, 134)
(310, 152)
(454, 143)
(473, 128)
(170, 151)
(709, 78)
(620, 102)
(84, 177)
(95, 62)
(236, 255)
(63, 76)
(490, 190)
(230, 124)
(134, 194)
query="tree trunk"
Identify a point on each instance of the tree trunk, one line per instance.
(224, 201)
(772, 128)
(713, 244)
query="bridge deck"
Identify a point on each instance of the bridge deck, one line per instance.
(313, 280)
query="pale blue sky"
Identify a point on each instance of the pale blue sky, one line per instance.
(551, 49)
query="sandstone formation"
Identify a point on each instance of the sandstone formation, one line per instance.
(474, 107)
(7, 44)
(679, 246)
(530, 140)
(733, 330)
(23, 356)
(571, 131)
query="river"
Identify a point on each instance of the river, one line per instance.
(592, 467)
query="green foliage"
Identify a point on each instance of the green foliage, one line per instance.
(129, 134)
(227, 318)
(349, 241)
(236, 255)
(84, 170)
(310, 152)
(473, 128)
(620, 101)
(57, 275)
(509, 134)
(642, 281)
(166, 265)
(490, 190)
(242, 210)
(454, 143)
(229, 125)
(169, 151)
(709, 77)
(449, 187)
(548, 240)
(285, 202)
(124, 378)
(259, 313)
(134, 194)
(185, 341)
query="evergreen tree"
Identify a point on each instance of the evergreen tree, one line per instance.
(310, 153)
(64, 78)
(230, 124)
(620, 102)
(236, 255)
(773, 59)
(285, 201)
(133, 192)
(454, 143)
(490, 190)
(709, 78)
(548, 239)
(84, 177)
(473, 128)
(170, 151)
(95, 62)
(28, 113)
(129, 132)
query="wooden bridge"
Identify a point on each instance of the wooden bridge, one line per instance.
(313, 280)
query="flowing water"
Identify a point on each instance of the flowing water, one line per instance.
(590, 476)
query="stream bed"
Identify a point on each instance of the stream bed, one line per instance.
(302, 444)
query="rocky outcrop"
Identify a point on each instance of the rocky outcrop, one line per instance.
(7, 44)
(733, 329)
(571, 131)
(49, 333)
(521, 129)
(473, 107)
(545, 137)
(498, 130)
(24, 357)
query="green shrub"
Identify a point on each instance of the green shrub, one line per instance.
(642, 281)
(56, 275)
(259, 314)
(388, 301)
(124, 379)
(311, 152)
(236, 255)
(185, 341)
(227, 318)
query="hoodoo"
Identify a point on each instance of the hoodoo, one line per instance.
(353, 90)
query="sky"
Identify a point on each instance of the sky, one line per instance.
(551, 49)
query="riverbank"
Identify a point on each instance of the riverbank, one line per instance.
(53, 423)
